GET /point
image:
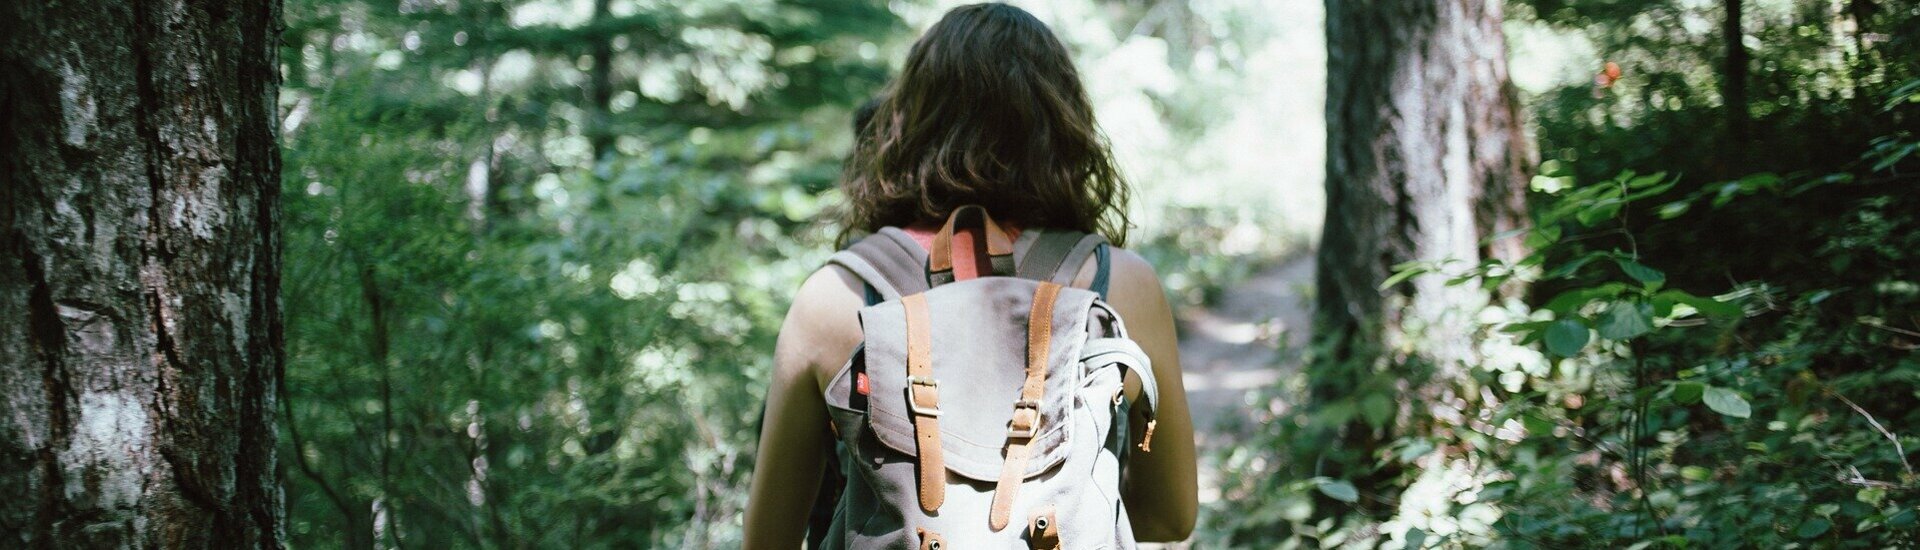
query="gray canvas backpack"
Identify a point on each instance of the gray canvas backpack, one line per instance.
(985, 413)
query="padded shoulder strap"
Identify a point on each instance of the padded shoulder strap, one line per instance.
(890, 262)
(1056, 256)
(894, 265)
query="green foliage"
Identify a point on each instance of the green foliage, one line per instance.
(499, 336)
(1788, 459)
(1716, 351)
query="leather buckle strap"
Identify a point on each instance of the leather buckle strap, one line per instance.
(1026, 420)
(1026, 411)
(925, 407)
(923, 398)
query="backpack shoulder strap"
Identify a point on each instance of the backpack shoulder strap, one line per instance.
(1056, 256)
(889, 261)
(893, 265)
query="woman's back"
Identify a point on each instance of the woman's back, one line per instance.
(823, 328)
(988, 110)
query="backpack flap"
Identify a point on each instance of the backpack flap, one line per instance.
(979, 334)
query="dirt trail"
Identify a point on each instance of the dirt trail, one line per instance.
(1242, 344)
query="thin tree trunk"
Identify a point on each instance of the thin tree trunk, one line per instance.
(140, 331)
(1734, 87)
(379, 346)
(1425, 158)
(600, 87)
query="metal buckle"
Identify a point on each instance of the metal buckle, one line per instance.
(1014, 431)
(913, 403)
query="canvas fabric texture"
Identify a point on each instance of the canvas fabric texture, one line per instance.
(985, 345)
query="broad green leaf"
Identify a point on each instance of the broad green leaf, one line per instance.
(1640, 272)
(1710, 307)
(1566, 337)
(1340, 490)
(1537, 424)
(1904, 518)
(1726, 193)
(1674, 209)
(1727, 402)
(1569, 302)
(1646, 180)
(1688, 393)
(1572, 267)
(1662, 305)
(1906, 93)
(1625, 320)
(1695, 473)
(1543, 236)
(1551, 184)
(1555, 167)
(1526, 327)
(1600, 211)
(1416, 538)
(1760, 180)
(1377, 409)
(1813, 528)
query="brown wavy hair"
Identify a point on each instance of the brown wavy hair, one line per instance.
(988, 110)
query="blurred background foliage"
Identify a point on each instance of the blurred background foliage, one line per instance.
(537, 251)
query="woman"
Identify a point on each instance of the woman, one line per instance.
(988, 110)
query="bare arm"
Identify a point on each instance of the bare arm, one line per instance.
(1162, 486)
(794, 436)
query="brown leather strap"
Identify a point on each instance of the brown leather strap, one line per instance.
(999, 246)
(930, 540)
(1043, 530)
(1146, 439)
(1026, 412)
(923, 398)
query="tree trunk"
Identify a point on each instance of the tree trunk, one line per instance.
(600, 87)
(1734, 88)
(1425, 158)
(140, 332)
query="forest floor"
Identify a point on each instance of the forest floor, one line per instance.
(1244, 342)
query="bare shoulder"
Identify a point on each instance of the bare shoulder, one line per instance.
(823, 324)
(1129, 267)
(1133, 284)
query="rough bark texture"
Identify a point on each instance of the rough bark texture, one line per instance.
(1425, 154)
(140, 334)
(1425, 158)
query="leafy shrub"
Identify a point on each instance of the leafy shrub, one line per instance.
(1625, 410)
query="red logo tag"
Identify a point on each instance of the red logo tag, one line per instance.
(861, 385)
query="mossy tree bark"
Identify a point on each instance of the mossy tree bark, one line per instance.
(140, 331)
